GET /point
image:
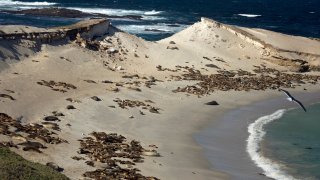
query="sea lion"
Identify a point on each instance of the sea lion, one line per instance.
(150, 153)
(18, 138)
(54, 166)
(32, 144)
(30, 148)
(51, 125)
(4, 129)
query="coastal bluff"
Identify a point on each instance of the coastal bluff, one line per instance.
(281, 49)
(18, 42)
(87, 28)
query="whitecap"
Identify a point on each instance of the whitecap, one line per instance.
(152, 13)
(111, 12)
(20, 3)
(153, 18)
(256, 131)
(250, 15)
(159, 28)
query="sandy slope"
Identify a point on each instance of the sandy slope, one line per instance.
(180, 115)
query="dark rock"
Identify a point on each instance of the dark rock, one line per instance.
(304, 68)
(54, 166)
(70, 107)
(90, 163)
(66, 13)
(261, 174)
(212, 103)
(95, 98)
(51, 118)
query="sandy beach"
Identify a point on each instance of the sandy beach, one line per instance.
(151, 92)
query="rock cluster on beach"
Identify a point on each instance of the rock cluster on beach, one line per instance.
(116, 154)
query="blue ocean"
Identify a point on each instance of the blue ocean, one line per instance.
(285, 144)
(294, 17)
(293, 140)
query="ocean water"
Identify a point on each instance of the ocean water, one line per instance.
(286, 144)
(287, 16)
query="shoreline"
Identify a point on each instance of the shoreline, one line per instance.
(216, 138)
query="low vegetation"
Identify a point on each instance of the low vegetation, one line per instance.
(13, 166)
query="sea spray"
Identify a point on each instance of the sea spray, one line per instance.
(256, 133)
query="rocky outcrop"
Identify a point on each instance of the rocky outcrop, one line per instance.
(66, 13)
(87, 28)
(19, 42)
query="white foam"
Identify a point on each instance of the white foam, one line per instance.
(146, 15)
(152, 13)
(153, 18)
(250, 15)
(20, 3)
(256, 133)
(111, 12)
(150, 29)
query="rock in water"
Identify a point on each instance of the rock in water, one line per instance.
(212, 103)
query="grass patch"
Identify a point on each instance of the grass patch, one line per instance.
(13, 166)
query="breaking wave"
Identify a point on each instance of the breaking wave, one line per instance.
(250, 15)
(256, 131)
(116, 12)
(152, 13)
(151, 29)
(20, 3)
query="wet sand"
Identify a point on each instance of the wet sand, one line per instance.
(225, 140)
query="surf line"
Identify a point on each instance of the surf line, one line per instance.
(256, 131)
